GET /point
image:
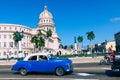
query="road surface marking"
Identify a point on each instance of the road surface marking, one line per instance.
(44, 79)
(84, 74)
(93, 68)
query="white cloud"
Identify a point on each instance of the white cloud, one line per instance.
(115, 19)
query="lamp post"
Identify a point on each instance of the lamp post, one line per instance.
(75, 46)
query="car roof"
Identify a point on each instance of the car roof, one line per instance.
(39, 54)
(34, 54)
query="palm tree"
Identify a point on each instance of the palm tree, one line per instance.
(90, 36)
(34, 40)
(38, 40)
(39, 33)
(48, 34)
(79, 39)
(17, 37)
(41, 42)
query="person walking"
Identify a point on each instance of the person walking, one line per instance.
(7, 56)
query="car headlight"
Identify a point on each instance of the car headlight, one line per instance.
(70, 66)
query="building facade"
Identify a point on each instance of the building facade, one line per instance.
(46, 22)
(7, 44)
(117, 41)
(105, 47)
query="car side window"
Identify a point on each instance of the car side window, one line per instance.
(33, 58)
(42, 57)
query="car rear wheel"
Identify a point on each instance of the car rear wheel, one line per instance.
(23, 71)
(59, 71)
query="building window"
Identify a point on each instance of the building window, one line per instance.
(20, 29)
(10, 28)
(4, 53)
(15, 52)
(27, 37)
(15, 45)
(11, 44)
(0, 28)
(15, 28)
(4, 28)
(27, 44)
(5, 36)
(24, 44)
(10, 36)
(41, 21)
(4, 45)
(0, 36)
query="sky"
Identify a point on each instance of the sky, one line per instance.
(72, 17)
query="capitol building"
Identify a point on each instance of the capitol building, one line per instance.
(45, 23)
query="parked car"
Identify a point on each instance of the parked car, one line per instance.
(116, 65)
(43, 62)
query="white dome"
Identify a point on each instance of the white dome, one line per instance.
(45, 13)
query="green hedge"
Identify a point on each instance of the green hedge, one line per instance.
(74, 55)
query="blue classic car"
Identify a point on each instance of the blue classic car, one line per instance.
(43, 62)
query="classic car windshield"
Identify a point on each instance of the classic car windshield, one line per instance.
(51, 56)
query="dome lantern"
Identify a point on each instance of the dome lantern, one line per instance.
(45, 13)
(45, 7)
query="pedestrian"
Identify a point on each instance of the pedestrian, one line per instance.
(7, 57)
(112, 54)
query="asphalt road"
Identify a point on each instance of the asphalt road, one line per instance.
(82, 71)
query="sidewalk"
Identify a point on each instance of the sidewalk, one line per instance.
(75, 60)
(5, 62)
(86, 59)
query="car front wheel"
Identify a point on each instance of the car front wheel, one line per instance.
(59, 71)
(23, 71)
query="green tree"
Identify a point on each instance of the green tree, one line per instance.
(71, 46)
(34, 40)
(39, 33)
(38, 40)
(48, 35)
(41, 42)
(90, 36)
(17, 37)
(79, 39)
(65, 47)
